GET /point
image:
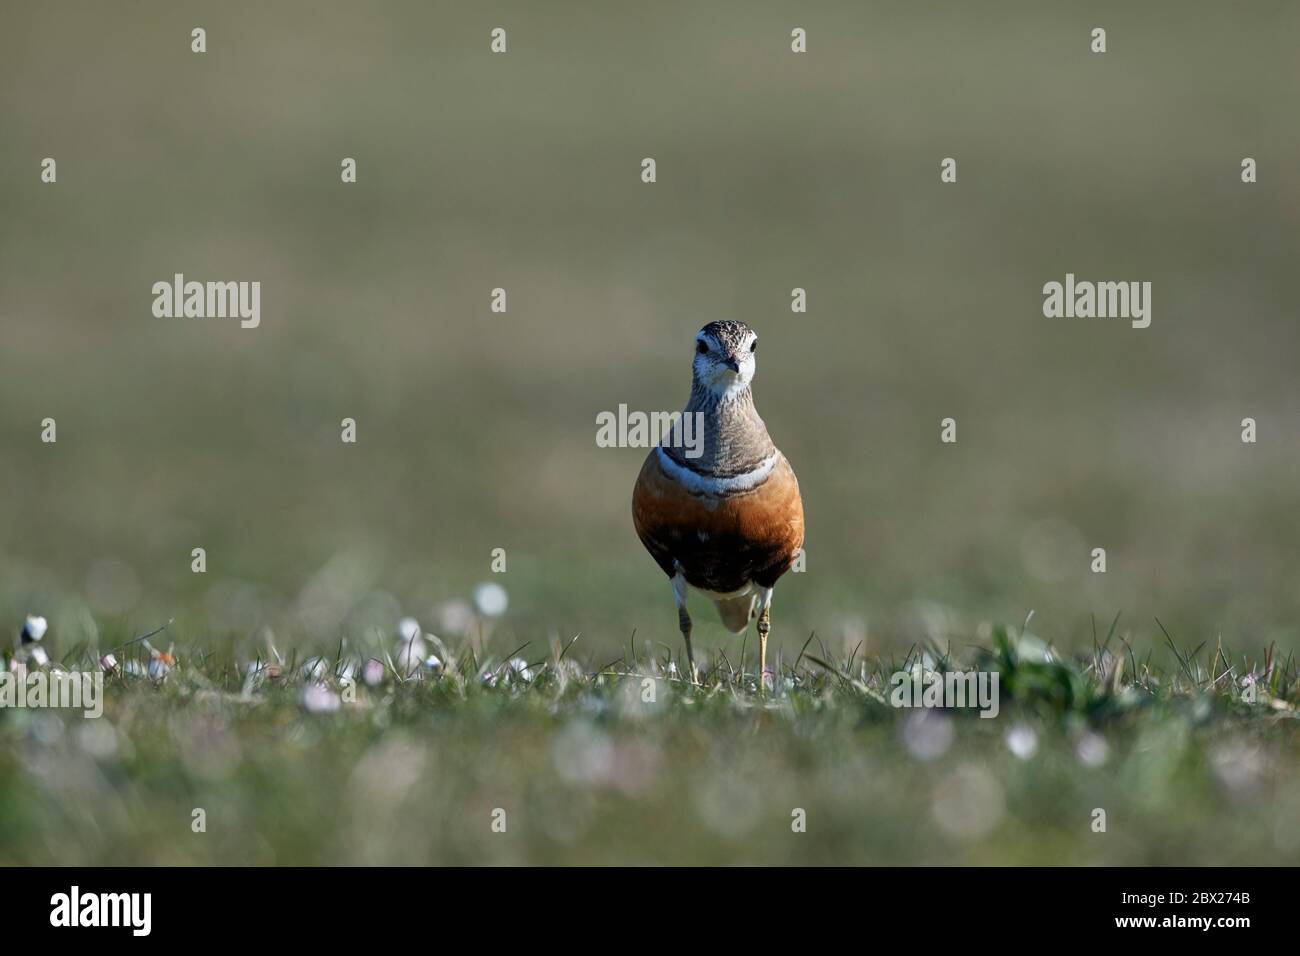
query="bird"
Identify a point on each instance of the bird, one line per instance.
(722, 515)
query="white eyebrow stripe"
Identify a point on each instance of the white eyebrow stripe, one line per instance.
(698, 484)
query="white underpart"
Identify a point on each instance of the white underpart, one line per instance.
(698, 484)
(680, 589)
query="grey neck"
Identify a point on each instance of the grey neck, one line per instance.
(735, 438)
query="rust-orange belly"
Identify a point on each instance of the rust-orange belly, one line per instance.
(720, 542)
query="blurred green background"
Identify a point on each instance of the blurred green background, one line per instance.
(775, 170)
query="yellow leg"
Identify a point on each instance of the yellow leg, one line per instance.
(684, 622)
(764, 625)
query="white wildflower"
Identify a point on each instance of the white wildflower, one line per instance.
(491, 599)
(319, 699)
(314, 669)
(1022, 741)
(372, 672)
(34, 628)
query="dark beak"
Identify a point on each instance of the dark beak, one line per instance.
(732, 364)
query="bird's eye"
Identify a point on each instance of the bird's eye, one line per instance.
(702, 347)
(754, 346)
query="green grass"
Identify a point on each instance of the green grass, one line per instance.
(587, 771)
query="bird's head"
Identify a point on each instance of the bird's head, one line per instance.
(724, 357)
